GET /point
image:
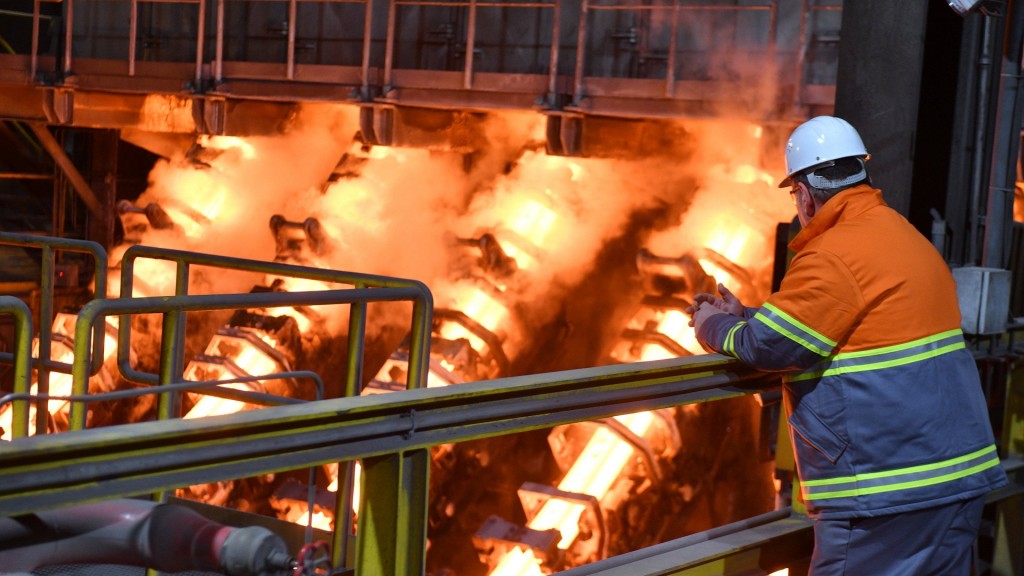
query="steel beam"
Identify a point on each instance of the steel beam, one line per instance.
(62, 160)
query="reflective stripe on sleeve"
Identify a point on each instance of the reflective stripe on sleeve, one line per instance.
(789, 327)
(730, 343)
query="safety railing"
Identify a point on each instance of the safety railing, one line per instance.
(43, 364)
(392, 433)
(184, 261)
(22, 358)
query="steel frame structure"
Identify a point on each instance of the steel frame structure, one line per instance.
(204, 86)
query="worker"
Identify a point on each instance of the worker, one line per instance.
(887, 418)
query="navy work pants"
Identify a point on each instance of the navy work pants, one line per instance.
(933, 541)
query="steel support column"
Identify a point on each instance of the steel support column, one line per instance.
(392, 533)
(878, 82)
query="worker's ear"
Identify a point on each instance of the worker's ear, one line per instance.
(807, 202)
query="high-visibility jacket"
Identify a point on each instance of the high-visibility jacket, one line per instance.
(883, 398)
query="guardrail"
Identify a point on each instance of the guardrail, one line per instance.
(22, 358)
(43, 363)
(391, 433)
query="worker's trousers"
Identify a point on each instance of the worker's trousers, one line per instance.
(933, 541)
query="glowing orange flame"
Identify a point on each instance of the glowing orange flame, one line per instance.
(60, 383)
(479, 306)
(593, 473)
(246, 356)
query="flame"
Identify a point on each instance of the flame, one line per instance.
(246, 356)
(531, 223)
(246, 149)
(675, 325)
(593, 473)
(60, 383)
(479, 306)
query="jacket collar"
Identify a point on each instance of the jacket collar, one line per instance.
(847, 204)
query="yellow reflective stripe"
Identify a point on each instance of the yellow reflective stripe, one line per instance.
(850, 368)
(904, 485)
(897, 362)
(794, 337)
(730, 344)
(898, 347)
(799, 324)
(900, 471)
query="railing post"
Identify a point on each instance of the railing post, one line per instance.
(1008, 554)
(22, 360)
(393, 516)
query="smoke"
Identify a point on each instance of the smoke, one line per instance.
(222, 193)
(735, 209)
(398, 211)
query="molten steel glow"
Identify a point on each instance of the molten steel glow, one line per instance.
(246, 356)
(593, 473)
(60, 383)
(675, 325)
(479, 306)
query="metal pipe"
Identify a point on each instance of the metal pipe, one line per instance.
(467, 74)
(205, 387)
(581, 42)
(45, 336)
(34, 58)
(801, 54)
(22, 360)
(24, 176)
(555, 46)
(165, 537)
(670, 65)
(200, 43)
(367, 48)
(133, 32)
(69, 10)
(290, 69)
(389, 45)
(1006, 142)
(980, 132)
(218, 63)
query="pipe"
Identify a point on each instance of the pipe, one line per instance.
(1006, 142)
(138, 533)
(980, 128)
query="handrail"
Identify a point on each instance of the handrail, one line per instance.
(102, 463)
(422, 306)
(172, 355)
(44, 364)
(22, 359)
(205, 387)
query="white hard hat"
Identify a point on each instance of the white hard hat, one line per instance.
(818, 142)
